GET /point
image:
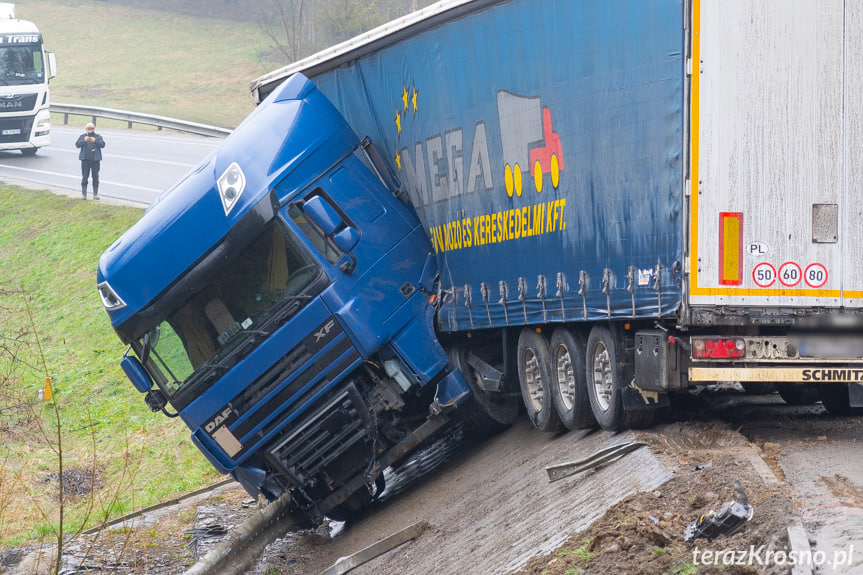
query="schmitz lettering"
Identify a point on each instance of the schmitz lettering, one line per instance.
(833, 374)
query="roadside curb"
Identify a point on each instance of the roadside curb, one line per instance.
(798, 541)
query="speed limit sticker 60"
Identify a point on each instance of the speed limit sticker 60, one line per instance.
(790, 274)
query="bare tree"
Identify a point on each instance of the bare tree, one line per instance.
(284, 22)
(300, 27)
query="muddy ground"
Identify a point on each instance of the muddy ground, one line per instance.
(491, 509)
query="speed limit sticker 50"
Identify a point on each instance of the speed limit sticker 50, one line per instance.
(764, 275)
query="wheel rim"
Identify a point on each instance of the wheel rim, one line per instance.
(565, 378)
(602, 380)
(533, 379)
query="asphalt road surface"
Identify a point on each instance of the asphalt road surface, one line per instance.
(137, 165)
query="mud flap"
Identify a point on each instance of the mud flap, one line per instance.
(634, 400)
(855, 394)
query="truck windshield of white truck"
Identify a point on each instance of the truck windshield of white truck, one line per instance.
(21, 64)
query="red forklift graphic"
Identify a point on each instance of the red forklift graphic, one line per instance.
(528, 141)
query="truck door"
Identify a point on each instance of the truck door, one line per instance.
(777, 133)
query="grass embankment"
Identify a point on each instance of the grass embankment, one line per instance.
(49, 249)
(195, 69)
(126, 58)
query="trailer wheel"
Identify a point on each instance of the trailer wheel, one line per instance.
(798, 393)
(569, 386)
(604, 379)
(836, 399)
(534, 376)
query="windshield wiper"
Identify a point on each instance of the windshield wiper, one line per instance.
(288, 306)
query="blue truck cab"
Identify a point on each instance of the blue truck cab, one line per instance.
(297, 346)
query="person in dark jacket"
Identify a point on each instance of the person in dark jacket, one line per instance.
(90, 154)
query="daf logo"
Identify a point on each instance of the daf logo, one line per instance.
(219, 419)
(324, 331)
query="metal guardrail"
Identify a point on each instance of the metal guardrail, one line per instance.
(137, 118)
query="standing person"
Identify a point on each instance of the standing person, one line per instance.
(91, 145)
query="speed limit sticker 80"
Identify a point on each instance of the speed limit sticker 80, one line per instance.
(815, 275)
(789, 275)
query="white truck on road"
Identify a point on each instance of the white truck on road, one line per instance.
(25, 70)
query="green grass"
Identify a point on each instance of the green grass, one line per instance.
(580, 554)
(50, 246)
(195, 69)
(117, 57)
(687, 568)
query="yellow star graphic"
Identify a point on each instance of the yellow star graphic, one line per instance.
(398, 161)
(399, 123)
(405, 96)
(414, 100)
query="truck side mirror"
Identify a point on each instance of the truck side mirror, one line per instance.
(322, 214)
(136, 373)
(347, 239)
(52, 64)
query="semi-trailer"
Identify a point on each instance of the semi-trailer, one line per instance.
(577, 207)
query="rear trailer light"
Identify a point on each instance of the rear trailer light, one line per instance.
(718, 348)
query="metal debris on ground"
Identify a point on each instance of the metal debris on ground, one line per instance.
(607, 455)
(346, 564)
(729, 519)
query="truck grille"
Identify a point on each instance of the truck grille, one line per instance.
(325, 436)
(22, 103)
(294, 372)
(15, 129)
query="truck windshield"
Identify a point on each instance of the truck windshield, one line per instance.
(248, 298)
(21, 64)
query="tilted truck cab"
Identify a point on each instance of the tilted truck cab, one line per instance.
(296, 345)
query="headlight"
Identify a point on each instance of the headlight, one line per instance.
(231, 184)
(110, 299)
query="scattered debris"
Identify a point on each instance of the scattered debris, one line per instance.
(77, 481)
(556, 472)
(729, 519)
(346, 564)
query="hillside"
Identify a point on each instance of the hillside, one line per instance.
(193, 68)
(52, 325)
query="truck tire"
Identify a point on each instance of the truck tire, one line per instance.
(798, 393)
(486, 411)
(534, 377)
(569, 387)
(835, 398)
(604, 380)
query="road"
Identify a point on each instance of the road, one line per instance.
(137, 165)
